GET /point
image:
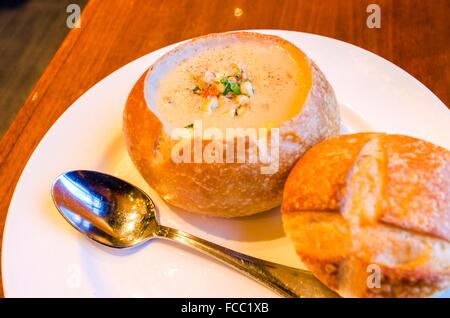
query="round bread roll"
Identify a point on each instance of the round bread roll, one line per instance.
(369, 215)
(227, 80)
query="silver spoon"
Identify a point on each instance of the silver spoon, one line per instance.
(117, 214)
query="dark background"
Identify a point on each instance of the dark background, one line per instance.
(30, 33)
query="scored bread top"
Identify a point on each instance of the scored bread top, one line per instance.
(408, 187)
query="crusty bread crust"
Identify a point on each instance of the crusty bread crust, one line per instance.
(372, 199)
(225, 189)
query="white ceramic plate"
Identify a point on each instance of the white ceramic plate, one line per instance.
(44, 256)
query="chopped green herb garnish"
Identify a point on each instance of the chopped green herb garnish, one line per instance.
(226, 90)
(227, 84)
(235, 88)
(191, 125)
(231, 86)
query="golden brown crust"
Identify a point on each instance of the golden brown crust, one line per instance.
(417, 194)
(380, 200)
(305, 181)
(224, 189)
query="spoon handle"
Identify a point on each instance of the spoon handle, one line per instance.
(284, 280)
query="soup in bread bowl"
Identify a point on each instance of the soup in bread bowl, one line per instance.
(216, 124)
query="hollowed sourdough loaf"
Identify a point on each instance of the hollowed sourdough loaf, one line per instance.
(225, 189)
(360, 203)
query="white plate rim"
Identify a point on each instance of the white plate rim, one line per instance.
(7, 229)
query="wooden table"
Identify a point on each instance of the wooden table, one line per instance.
(414, 34)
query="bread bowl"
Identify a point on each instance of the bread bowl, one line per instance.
(227, 80)
(372, 208)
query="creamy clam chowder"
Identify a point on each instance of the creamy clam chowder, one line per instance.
(230, 83)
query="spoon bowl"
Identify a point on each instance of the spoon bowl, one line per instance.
(106, 209)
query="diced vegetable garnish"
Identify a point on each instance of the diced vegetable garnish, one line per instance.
(209, 77)
(235, 88)
(227, 85)
(210, 104)
(239, 110)
(220, 87)
(247, 88)
(242, 99)
(212, 85)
